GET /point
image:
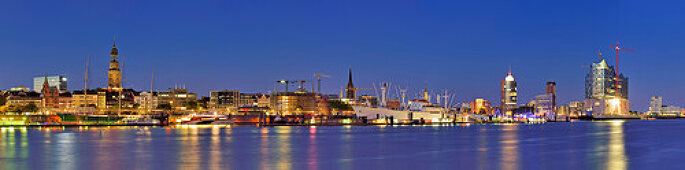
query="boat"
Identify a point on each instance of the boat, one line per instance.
(213, 119)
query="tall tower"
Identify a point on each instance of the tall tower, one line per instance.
(552, 89)
(509, 93)
(114, 74)
(351, 92)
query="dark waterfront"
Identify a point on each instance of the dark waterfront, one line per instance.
(642, 144)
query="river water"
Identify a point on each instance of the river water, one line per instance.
(640, 144)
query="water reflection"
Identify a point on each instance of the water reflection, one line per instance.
(510, 147)
(616, 158)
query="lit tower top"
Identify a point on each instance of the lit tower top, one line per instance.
(114, 74)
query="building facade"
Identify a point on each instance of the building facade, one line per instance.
(606, 92)
(295, 103)
(509, 95)
(177, 98)
(224, 100)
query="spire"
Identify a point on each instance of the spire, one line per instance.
(115, 51)
(349, 82)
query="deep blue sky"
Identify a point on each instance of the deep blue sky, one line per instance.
(461, 46)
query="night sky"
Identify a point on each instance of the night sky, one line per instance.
(465, 47)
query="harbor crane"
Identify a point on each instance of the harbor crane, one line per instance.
(318, 81)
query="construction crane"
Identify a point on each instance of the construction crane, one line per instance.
(617, 48)
(288, 82)
(318, 81)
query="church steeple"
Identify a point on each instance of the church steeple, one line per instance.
(115, 52)
(350, 90)
(114, 74)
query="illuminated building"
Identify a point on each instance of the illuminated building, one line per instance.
(551, 89)
(21, 98)
(294, 103)
(50, 95)
(114, 74)
(228, 100)
(93, 99)
(147, 100)
(509, 94)
(59, 82)
(600, 82)
(601, 94)
(224, 100)
(481, 106)
(657, 108)
(544, 105)
(176, 98)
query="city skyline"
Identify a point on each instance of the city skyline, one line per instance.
(239, 58)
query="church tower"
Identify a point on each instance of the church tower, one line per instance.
(114, 74)
(350, 90)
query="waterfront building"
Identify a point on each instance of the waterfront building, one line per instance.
(58, 82)
(176, 98)
(20, 98)
(508, 97)
(263, 100)
(248, 99)
(544, 106)
(600, 82)
(577, 108)
(481, 106)
(295, 103)
(147, 100)
(603, 95)
(224, 100)
(551, 89)
(85, 102)
(114, 74)
(657, 108)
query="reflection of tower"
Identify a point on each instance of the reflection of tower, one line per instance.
(351, 92)
(552, 89)
(114, 74)
(508, 97)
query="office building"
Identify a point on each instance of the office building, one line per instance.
(58, 81)
(508, 97)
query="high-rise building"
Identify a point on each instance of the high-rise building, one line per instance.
(551, 89)
(606, 92)
(351, 92)
(509, 94)
(655, 104)
(114, 74)
(58, 81)
(600, 82)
